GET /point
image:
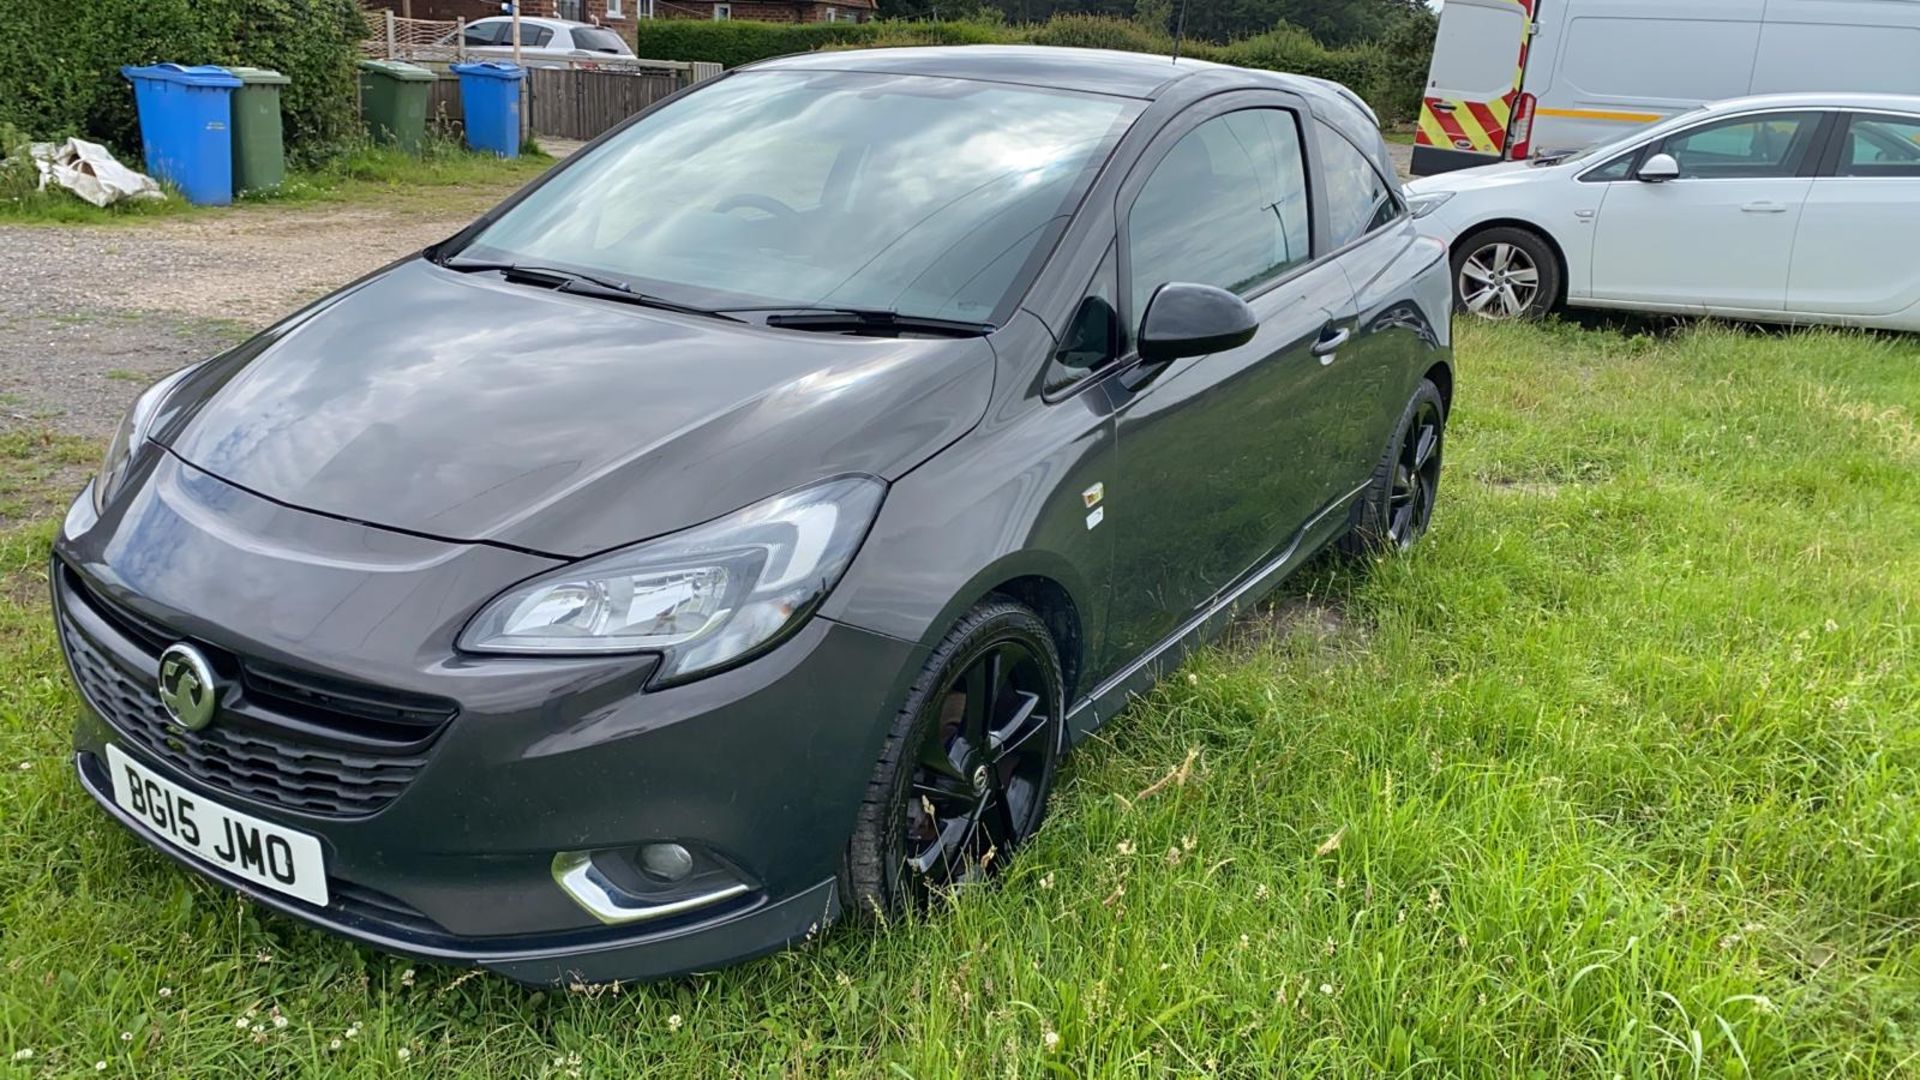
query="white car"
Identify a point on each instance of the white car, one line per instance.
(1800, 208)
(543, 42)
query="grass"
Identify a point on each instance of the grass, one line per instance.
(367, 173)
(1613, 776)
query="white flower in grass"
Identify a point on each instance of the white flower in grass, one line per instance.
(166, 991)
(99, 1066)
(334, 1045)
(406, 977)
(126, 1036)
(403, 1053)
(674, 1022)
(241, 1022)
(279, 1021)
(25, 1053)
(1051, 1039)
(1326, 988)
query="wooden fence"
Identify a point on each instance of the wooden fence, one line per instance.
(576, 104)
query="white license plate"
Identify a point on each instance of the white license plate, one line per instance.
(271, 855)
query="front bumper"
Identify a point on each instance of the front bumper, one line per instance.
(761, 767)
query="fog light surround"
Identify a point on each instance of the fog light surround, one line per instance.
(626, 886)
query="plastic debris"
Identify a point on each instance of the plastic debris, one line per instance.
(90, 171)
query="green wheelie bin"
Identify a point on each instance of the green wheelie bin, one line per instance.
(259, 146)
(393, 98)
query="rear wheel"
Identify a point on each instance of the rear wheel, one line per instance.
(1505, 273)
(1397, 506)
(964, 775)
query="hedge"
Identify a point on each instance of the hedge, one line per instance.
(1388, 75)
(60, 62)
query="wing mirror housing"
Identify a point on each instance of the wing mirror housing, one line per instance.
(1184, 320)
(1658, 169)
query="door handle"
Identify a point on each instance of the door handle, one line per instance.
(1330, 341)
(1443, 106)
(1764, 208)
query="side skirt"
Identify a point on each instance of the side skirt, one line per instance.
(1110, 697)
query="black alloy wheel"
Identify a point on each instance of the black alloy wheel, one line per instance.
(1416, 476)
(964, 777)
(1397, 506)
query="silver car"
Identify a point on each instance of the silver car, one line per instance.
(543, 42)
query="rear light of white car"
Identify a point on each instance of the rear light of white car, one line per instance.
(1520, 135)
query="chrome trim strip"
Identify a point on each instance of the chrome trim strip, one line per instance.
(576, 875)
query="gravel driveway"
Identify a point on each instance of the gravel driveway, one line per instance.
(98, 312)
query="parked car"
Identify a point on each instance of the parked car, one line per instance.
(1590, 71)
(1784, 208)
(543, 42)
(730, 531)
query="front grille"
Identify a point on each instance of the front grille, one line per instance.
(286, 739)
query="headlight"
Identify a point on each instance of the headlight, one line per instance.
(703, 598)
(1428, 202)
(132, 432)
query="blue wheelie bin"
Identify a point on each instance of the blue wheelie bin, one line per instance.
(490, 99)
(186, 127)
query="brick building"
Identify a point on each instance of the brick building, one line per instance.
(611, 13)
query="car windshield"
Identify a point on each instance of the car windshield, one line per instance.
(594, 39)
(924, 196)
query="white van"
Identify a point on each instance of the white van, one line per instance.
(1517, 78)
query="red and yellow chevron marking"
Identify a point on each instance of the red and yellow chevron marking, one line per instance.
(1477, 126)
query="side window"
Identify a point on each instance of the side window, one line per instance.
(1359, 199)
(1881, 146)
(535, 36)
(1095, 337)
(1620, 168)
(1744, 147)
(1227, 206)
(484, 33)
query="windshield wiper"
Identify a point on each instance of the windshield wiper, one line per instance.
(579, 284)
(871, 321)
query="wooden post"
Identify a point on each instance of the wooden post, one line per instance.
(460, 38)
(392, 36)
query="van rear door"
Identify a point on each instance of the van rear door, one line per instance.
(1478, 62)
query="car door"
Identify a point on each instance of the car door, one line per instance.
(1221, 458)
(1720, 237)
(1858, 250)
(1369, 232)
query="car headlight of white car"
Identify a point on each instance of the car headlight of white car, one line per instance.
(1427, 202)
(704, 597)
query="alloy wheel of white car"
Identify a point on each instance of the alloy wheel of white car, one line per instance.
(1499, 281)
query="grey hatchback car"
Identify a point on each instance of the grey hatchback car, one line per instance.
(730, 531)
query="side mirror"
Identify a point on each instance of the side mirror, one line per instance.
(1193, 320)
(1658, 169)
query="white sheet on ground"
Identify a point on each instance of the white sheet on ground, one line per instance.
(89, 170)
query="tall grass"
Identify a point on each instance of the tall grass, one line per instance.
(1613, 776)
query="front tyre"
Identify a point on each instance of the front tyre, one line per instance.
(1397, 506)
(1505, 273)
(964, 775)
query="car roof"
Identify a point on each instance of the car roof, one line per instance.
(531, 20)
(1098, 71)
(1897, 102)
